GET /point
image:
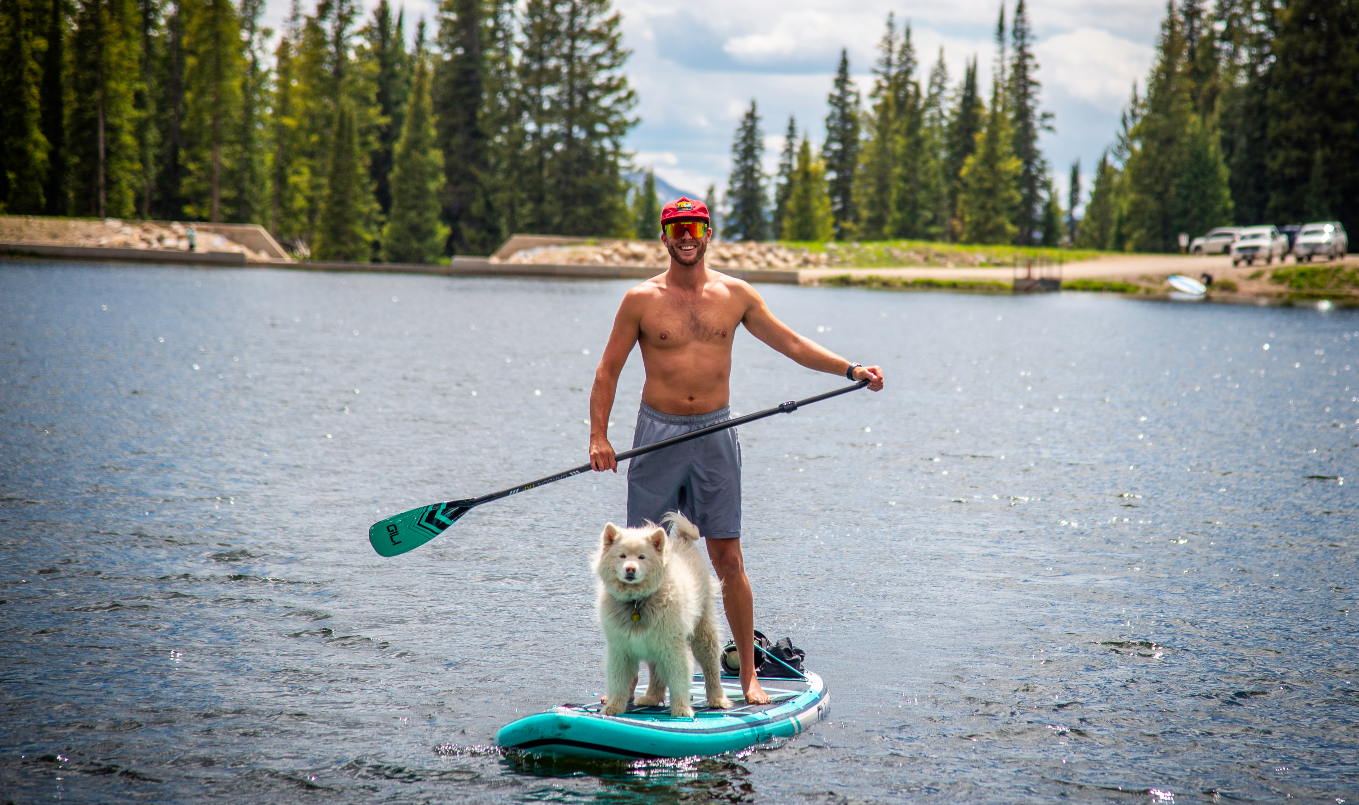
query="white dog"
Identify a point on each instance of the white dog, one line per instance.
(656, 606)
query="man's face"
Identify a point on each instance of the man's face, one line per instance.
(684, 248)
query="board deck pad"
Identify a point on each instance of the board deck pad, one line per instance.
(582, 730)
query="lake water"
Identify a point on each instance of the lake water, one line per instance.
(1081, 549)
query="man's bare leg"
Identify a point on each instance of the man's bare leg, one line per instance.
(739, 603)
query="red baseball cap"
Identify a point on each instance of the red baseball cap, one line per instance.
(684, 209)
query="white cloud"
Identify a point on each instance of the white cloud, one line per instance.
(1094, 66)
(655, 158)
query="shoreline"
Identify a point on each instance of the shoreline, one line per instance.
(1133, 276)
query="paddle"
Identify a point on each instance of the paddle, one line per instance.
(411, 529)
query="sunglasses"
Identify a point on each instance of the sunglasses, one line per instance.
(696, 229)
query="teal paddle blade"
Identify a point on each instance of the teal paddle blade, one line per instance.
(411, 529)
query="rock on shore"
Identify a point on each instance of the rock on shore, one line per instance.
(114, 233)
(651, 254)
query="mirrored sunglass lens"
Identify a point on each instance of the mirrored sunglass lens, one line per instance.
(696, 229)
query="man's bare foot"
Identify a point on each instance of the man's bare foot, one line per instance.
(753, 692)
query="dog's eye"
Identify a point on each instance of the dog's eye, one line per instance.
(640, 557)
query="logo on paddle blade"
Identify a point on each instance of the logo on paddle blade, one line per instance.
(434, 519)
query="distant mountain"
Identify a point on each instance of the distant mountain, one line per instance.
(665, 192)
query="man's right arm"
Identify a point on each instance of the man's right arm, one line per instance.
(626, 330)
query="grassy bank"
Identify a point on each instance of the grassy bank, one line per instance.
(895, 284)
(918, 253)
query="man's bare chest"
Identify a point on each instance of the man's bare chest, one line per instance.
(678, 325)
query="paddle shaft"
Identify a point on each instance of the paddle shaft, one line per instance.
(783, 408)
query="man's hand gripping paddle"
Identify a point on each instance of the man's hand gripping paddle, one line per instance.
(409, 530)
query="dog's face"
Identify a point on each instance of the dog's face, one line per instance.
(631, 556)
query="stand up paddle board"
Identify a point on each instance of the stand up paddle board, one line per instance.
(582, 730)
(1187, 285)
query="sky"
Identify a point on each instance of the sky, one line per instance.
(697, 65)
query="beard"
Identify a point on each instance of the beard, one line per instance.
(676, 255)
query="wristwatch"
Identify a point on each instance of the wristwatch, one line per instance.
(849, 373)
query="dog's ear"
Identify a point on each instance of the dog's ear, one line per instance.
(657, 539)
(610, 534)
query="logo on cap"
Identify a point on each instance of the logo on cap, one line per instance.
(685, 206)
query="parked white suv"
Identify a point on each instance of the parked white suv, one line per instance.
(1325, 238)
(1217, 241)
(1259, 243)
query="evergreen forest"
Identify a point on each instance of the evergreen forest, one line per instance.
(1249, 116)
(351, 137)
(347, 137)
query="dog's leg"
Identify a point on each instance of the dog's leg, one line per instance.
(677, 672)
(622, 675)
(707, 650)
(655, 687)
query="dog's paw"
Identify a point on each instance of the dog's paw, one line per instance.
(611, 709)
(647, 700)
(684, 711)
(721, 703)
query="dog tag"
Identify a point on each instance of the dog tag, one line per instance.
(636, 616)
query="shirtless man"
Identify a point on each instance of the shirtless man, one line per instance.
(685, 321)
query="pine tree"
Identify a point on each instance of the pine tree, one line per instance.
(1203, 197)
(214, 67)
(1154, 165)
(593, 102)
(1311, 104)
(385, 47)
(1176, 178)
(783, 180)
(647, 209)
(1320, 203)
(55, 196)
(250, 139)
(1050, 225)
(1026, 122)
(878, 160)
(841, 148)
(459, 106)
(745, 188)
(168, 198)
(715, 219)
(808, 215)
(414, 233)
(23, 148)
(497, 207)
(341, 233)
(1073, 200)
(934, 155)
(144, 100)
(989, 194)
(1097, 225)
(964, 123)
(285, 214)
(910, 202)
(105, 164)
(1246, 68)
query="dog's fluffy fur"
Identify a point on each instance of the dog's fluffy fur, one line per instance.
(665, 581)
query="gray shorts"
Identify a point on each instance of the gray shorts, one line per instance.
(700, 479)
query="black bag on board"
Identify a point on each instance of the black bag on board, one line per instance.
(780, 660)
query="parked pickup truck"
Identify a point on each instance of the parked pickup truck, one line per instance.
(1326, 238)
(1262, 243)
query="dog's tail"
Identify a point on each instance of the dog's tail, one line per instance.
(681, 527)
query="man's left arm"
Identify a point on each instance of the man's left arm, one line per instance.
(765, 326)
